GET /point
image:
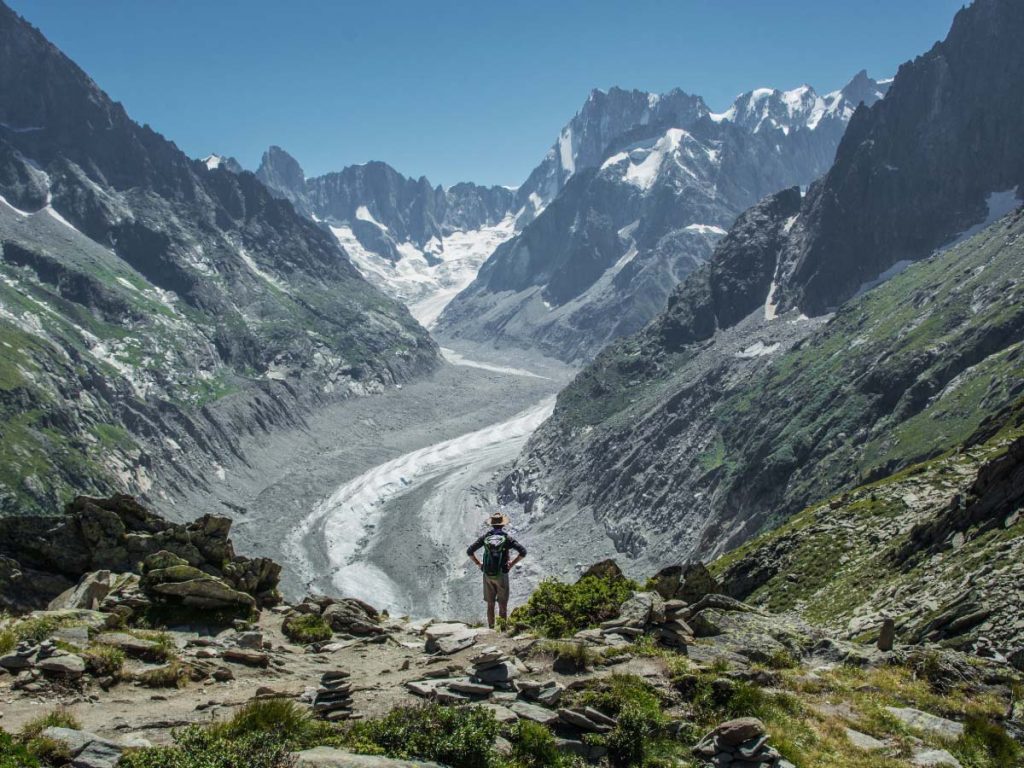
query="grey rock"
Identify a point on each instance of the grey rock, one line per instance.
(533, 712)
(925, 721)
(887, 635)
(67, 665)
(934, 757)
(863, 740)
(329, 757)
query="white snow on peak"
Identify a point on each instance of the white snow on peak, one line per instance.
(212, 161)
(18, 211)
(641, 163)
(758, 349)
(999, 204)
(705, 229)
(363, 214)
(565, 153)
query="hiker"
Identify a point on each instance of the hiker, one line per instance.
(496, 544)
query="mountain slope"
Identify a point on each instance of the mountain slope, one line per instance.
(633, 218)
(734, 409)
(152, 306)
(419, 243)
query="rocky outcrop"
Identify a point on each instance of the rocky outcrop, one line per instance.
(169, 298)
(118, 534)
(646, 186)
(746, 401)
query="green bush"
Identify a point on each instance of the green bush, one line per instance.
(37, 629)
(570, 656)
(556, 609)
(104, 660)
(198, 748)
(613, 694)
(306, 628)
(289, 722)
(630, 742)
(173, 674)
(14, 754)
(57, 718)
(459, 737)
(985, 744)
(8, 640)
(533, 746)
(49, 751)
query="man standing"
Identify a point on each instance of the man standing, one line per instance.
(496, 544)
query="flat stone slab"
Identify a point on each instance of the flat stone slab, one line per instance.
(328, 757)
(864, 741)
(501, 713)
(935, 757)
(925, 721)
(533, 712)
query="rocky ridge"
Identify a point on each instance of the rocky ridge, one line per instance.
(650, 185)
(729, 682)
(734, 410)
(153, 306)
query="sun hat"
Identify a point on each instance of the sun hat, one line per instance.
(497, 519)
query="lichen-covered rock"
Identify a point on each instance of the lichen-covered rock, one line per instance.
(43, 557)
(166, 577)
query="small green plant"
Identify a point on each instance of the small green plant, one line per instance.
(287, 721)
(985, 744)
(781, 658)
(629, 743)
(14, 754)
(306, 628)
(104, 660)
(556, 609)
(8, 640)
(571, 657)
(37, 629)
(533, 746)
(459, 737)
(57, 718)
(173, 674)
(196, 747)
(49, 751)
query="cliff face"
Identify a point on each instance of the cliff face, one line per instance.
(149, 301)
(743, 403)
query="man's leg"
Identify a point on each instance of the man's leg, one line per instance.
(503, 593)
(490, 613)
(503, 610)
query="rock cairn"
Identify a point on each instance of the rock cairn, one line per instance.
(740, 742)
(333, 698)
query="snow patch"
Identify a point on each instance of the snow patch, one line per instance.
(758, 349)
(999, 204)
(888, 274)
(18, 211)
(770, 305)
(363, 214)
(212, 162)
(705, 229)
(455, 358)
(565, 154)
(265, 276)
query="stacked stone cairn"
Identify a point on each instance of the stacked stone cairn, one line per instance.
(740, 743)
(333, 698)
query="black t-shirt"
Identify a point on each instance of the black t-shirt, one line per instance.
(512, 544)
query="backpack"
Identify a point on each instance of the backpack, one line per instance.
(495, 548)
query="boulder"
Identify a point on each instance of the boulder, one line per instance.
(329, 757)
(87, 750)
(88, 593)
(533, 712)
(66, 665)
(925, 721)
(169, 578)
(927, 758)
(641, 609)
(135, 647)
(606, 569)
(497, 673)
(735, 732)
(449, 638)
(353, 617)
(887, 635)
(688, 582)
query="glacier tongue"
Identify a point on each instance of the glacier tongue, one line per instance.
(426, 285)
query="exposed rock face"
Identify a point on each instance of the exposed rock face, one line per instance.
(118, 534)
(646, 185)
(733, 409)
(408, 237)
(141, 288)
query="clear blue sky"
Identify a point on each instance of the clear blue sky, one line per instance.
(453, 90)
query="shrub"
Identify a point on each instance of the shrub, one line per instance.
(287, 721)
(570, 656)
(306, 628)
(37, 629)
(8, 640)
(533, 746)
(198, 748)
(14, 754)
(629, 743)
(459, 737)
(173, 674)
(985, 743)
(58, 718)
(614, 694)
(556, 609)
(49, 751)
(104, 660)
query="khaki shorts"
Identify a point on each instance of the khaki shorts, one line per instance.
(496, 588)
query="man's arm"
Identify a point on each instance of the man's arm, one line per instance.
(473, 549)
(520, 552)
